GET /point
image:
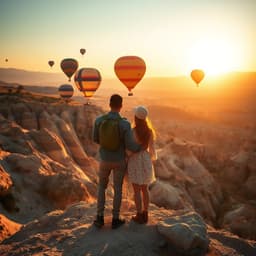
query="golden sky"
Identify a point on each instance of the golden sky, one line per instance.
(173, 37)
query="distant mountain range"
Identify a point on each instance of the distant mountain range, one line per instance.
(20, 76)
(235, 84)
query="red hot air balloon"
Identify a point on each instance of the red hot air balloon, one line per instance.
(50, 63)
(197, 75)
(130, 70)
(69, 67)
(66, 91)
(87, 81)
(82, 51)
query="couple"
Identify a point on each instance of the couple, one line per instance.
(138, 145)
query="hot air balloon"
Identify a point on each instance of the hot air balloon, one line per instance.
(6, 60)
(197, 75)
(130, 70)
(50, 63)
(69, 67)
(66, 91)
(87, 81)
(82, 51)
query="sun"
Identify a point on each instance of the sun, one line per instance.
(214, 56)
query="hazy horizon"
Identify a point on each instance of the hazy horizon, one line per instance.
(214, 98)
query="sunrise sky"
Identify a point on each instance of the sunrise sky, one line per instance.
(172, 37)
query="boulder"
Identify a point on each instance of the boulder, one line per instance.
(187, 233)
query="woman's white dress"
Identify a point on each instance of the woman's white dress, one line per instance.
(140, 166)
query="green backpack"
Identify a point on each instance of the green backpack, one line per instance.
(109, 133)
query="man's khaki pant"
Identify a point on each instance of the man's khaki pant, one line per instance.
(119, 169)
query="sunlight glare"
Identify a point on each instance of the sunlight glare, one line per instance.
(214, 56)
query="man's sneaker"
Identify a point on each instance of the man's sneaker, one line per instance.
(99, 222)
(116, 223)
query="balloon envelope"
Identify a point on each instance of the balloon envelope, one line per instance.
(66, 91)
(69, 66)
(51, 63)
(82, 51)
(87, 81)
(130, 70)
(197, 75)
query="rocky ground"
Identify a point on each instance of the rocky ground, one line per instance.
(48, 162)
(71, 232)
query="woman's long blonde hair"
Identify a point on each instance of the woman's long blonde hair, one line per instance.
(143, 129)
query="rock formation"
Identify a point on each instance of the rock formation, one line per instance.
(49, 163)
(7, 227)
(184, 182)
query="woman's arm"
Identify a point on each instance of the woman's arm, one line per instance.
(151, 148)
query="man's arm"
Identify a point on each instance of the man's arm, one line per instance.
(96, 132)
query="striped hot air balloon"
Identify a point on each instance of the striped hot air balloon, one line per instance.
(130, 70)
(66, 91)
(69, 67)
(87, 81)
(197, 75)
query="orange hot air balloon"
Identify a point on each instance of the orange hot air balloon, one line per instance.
(50, 63)
(69, 67)
(197, 75)
(82, 51)
(87, 81)
(130, 70)
(66, 91)
(6, 60)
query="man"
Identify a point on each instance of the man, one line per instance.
(113, 160)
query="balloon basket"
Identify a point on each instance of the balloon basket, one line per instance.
(130, 94)
(87, 103)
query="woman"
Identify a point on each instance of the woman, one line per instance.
(140, 167)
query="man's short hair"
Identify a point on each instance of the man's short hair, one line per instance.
(116, 101)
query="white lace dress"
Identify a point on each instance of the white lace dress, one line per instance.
(140, 166)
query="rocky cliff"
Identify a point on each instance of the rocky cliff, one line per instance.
(48, 168)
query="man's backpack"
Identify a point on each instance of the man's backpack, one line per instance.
(109, 133)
